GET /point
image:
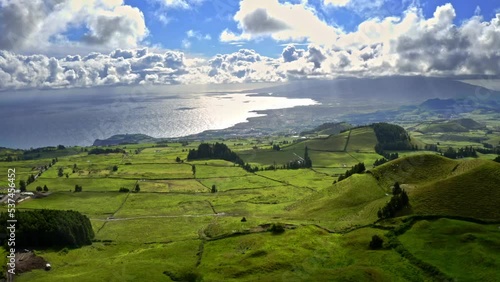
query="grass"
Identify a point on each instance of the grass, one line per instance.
(156, 234)
(92, 204)
(164, 204)
(482, 199)
(362, 140)
(166, 186)
(63, 184)
(353, 201)
(117, 262)
(244, 182)
(463, 250)
(300, 177)
(293, 256)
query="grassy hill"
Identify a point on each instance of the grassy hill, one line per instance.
(474, 193)
(436, 186)
(459, 125)
(328, 129)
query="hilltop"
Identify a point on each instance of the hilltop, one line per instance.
(436, 186)
(457, 125)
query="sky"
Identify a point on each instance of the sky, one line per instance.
(54, 44)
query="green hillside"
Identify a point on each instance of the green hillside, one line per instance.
(436, 186)
(459, 125)
(474, 193)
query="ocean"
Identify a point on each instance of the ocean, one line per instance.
(78, 117)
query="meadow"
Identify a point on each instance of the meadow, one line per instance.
(175, 228)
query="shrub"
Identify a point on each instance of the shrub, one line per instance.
(376, 242)
(124, 190)
(277, 228)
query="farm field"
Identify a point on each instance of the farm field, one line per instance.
(212, 220)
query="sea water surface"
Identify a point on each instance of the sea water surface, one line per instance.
(48, 118)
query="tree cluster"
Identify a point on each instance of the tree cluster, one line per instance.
(358, 168)
(100, 151)
(431, 147)
(50, 228)
(497, 159)
(276, 147)
(40, 189)
(306, 162)
(30, 180)
(391, 137)
(398, 201)
(489, 150)
(387, 157)
(218, 151)
(460, 153)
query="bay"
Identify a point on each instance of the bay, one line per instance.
(78, 117)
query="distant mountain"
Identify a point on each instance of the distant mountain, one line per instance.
(397, 89)
(458, 125)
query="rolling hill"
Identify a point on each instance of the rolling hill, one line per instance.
(436, 186)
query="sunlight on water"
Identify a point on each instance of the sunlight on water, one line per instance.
(80, 119)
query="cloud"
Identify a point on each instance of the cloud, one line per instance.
(259, 21)
(339, 3)
(165, 5)
(197, 35)
(192, 34)
(36, 25)
(280, 21)
(407, 45)
(179, 4)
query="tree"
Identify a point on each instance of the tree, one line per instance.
(78, 188)
(45, 188)
(214, 189)
(307, 159)
(497, 159)
(31, 179)
(115, 168)
(137, 188)
(60, 172)
(39, 188)
(178, 160)
(376, 242)
(22, 185)
(193, 168)
(397, 189)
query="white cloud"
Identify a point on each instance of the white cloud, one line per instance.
(186, 44)
(280, 21)
(193, 35)
(196, 34)
(180, 4)
(339, 3)
(36, 25)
